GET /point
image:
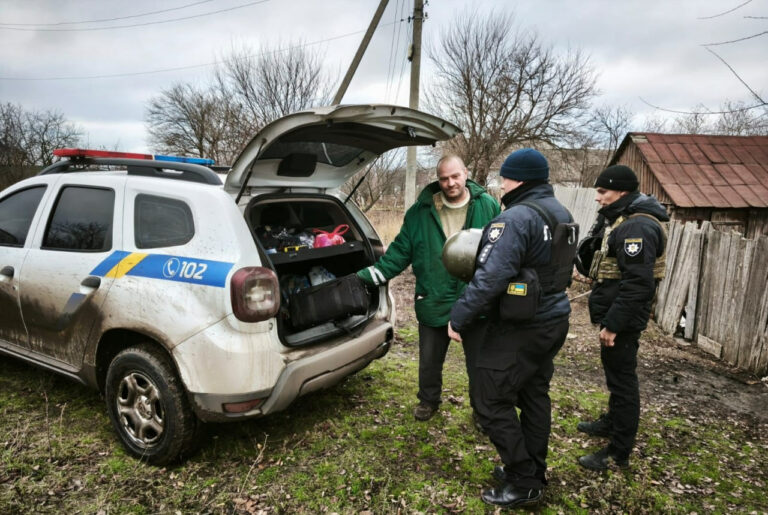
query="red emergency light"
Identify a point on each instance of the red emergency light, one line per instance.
(81, 152)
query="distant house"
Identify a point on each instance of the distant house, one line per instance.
(723, 179)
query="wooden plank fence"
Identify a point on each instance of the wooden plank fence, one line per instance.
(717, 280)
(581, 203)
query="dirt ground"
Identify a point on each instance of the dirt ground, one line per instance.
(672, 372)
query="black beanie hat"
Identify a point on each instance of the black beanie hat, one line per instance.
(525, 164)
(617, 178)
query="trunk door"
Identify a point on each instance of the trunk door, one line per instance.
(323, 147)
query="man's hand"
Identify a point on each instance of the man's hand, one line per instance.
(607, 338)
(453, 335)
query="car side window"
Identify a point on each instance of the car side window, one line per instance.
(161, 222)
(81, 220)
(16, 213)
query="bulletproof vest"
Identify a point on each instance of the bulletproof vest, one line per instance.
(606, 267)
(556, 275)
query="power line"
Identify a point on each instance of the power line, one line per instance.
(736, 40)
(392, 51)
(141, 24)
(739, 110)
(726, 12)
(104, 19)
(189, 67)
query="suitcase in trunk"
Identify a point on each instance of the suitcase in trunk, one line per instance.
(333, 300)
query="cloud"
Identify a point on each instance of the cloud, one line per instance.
(640, 48)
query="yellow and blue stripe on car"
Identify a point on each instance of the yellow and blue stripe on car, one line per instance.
(165, 267)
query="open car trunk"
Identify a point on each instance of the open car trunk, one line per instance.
(285, 226)
(314, 152)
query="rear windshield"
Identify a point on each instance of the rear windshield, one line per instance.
(327, 153)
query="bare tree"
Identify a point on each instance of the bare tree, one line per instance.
(592, 149)
(736, 120)
(273, 83)
(609, 125)
(505, 87)
(732, 119)
(655, 123)
(246, 92)
(188, 120)
(28, 139)
(381, 178)
(696, 122)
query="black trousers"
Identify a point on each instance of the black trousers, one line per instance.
(620, 366)
(519, 379)
(433, 346)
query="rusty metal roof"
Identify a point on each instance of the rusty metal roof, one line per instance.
(707, 171)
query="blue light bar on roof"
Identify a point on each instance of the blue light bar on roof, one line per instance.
(180, 159)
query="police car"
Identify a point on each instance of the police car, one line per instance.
(144, 277)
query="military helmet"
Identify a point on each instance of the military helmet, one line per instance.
(459, 253)
(585, 253)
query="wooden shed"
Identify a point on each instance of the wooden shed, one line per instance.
(722, 179)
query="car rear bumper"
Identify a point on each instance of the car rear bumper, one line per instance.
(309, 372)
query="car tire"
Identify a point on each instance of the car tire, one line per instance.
(148, 406)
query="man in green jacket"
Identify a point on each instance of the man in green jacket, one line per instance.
(444, 207)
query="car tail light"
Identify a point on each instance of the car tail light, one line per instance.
(255, 294)
(242, 407)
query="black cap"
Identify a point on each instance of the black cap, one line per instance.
(618, 178)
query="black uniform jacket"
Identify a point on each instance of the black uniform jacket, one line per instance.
(624, 305)
(511, 241)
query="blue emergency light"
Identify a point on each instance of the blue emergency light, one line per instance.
(181, 159)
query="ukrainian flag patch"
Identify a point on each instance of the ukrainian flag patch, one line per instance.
(520, 289)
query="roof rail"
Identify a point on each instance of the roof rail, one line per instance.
(141, 167)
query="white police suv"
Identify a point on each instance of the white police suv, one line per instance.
(170, 292)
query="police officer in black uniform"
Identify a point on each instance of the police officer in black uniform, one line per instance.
(624, 255)
(514, 363)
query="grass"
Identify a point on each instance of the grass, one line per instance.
(387, 223)
(356, 448)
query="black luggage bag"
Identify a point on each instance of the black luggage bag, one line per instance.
(327, 302)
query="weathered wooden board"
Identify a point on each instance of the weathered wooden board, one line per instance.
(709, 345)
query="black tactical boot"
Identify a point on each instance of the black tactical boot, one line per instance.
(499, 474)
(424, 411)
(602, 459)
(510, 496)
(600, 427)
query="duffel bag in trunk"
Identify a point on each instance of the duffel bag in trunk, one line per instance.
(332, 300)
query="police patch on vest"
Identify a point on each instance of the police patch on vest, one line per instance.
(633, 246)
(495, 232)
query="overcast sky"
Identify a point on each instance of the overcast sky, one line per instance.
(102, 79)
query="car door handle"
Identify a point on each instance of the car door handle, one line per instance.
(92, 282)
(7, 271)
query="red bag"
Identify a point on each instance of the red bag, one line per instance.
(326, 239)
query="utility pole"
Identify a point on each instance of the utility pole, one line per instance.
(415, 57)
(360, 51)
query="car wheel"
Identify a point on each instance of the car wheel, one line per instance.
(148, 406)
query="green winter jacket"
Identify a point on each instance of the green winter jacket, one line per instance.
(420, 243)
